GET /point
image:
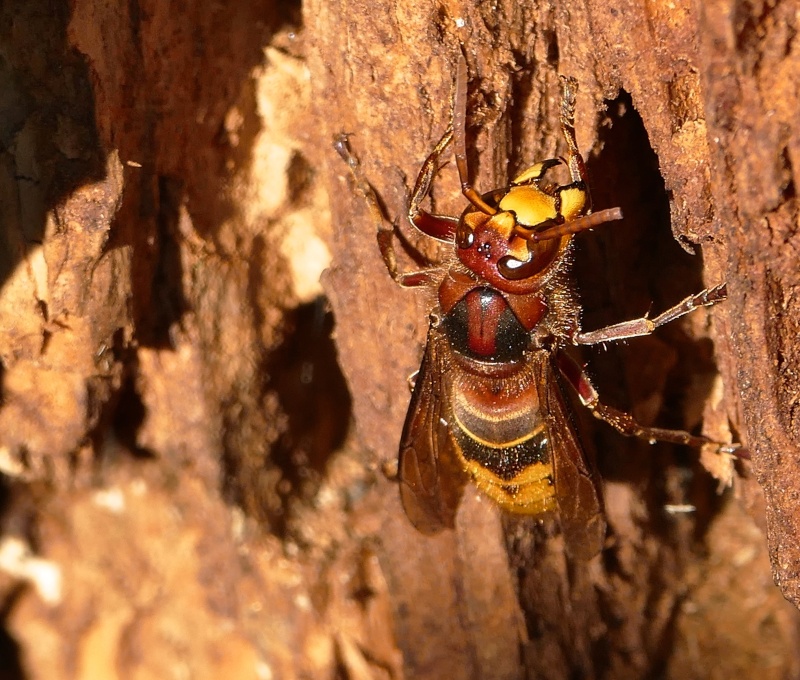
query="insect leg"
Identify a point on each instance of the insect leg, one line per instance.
(644, 326)
(624, 422)
(577, 168)
(460, 138)
(384, 231)
(440, 227)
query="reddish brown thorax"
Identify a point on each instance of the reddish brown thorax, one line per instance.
(529, 308)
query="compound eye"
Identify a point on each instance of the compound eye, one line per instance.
(514, 270)
(540, 256)
(470, 221)
(465, 237)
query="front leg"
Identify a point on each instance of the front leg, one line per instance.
(644, 326)
(384, 231)
(459, 132)
(440, 227)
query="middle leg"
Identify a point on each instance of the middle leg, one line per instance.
(635, 328)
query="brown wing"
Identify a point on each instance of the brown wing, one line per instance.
(431, 480)
(577, 483)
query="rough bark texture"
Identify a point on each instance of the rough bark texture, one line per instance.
(180, 498)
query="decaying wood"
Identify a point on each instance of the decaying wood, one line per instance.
(651, 78)
(178, 496)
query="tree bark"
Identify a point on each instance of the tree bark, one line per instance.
(660, 112)
(180, 493)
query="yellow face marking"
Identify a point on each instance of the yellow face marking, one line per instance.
(503, 223)
(533, 172)
(531, 205)
(572, 202)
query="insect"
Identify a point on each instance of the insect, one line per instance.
(486, 405)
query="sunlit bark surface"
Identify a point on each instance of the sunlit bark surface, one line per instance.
(194, 476)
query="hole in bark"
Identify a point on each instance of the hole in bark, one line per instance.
(553, 51)
(290, 13)
(789, 190)
(299, 176)
(306, 376)
(168, 301)
(624, 271)
(123, 413)
(10, 651)
(129, 414)
(10, 657)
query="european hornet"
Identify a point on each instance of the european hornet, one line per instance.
(486, 404)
